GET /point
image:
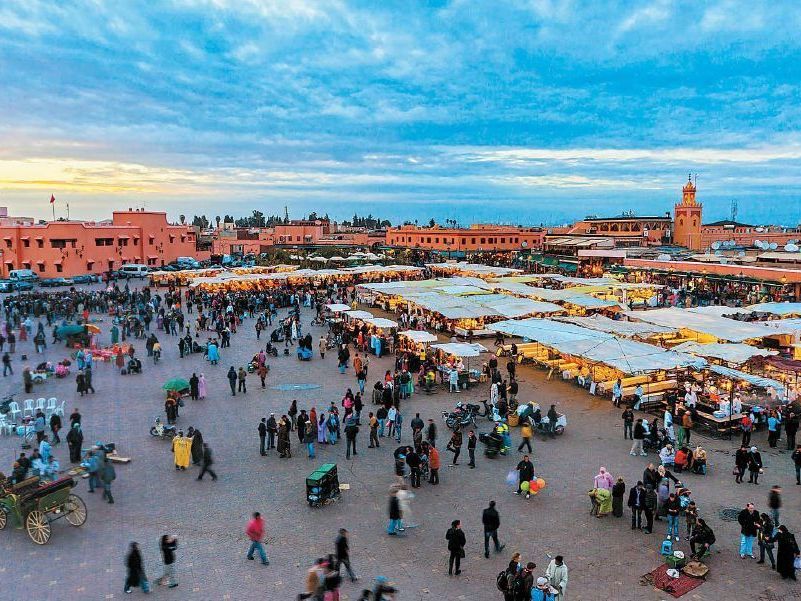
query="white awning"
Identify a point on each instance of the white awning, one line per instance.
(359, 314)
(731, 353)
(722, 328)
(461, 349)
(419, 336)
(337, 307)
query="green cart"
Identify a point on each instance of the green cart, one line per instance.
(34, 505)
(322, 485)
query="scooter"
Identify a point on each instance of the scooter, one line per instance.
(463, 416)
(161, 430)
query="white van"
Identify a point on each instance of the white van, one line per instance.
(134, 270)
(187, 262)
(22, 275)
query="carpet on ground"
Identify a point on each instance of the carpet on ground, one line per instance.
(674, 586)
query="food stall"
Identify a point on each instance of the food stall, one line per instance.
(449, 356)
(415, 341)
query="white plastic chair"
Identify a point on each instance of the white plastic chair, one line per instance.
(60, 409)
(40, 404)
(13, 408)
(51, 405)
(27, 407)
(5, 427)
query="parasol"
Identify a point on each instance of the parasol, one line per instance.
(176, 384)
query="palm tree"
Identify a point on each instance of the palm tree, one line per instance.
(217, 219)
(183, 219)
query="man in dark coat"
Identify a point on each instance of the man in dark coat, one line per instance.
(525, 470)
(74, 442)
(194, 387)
(748, 519)
(272, 429)
(262, 435)
(456, 542)
(208, 461)
(491, 521)
(636, 503)
(343, 553)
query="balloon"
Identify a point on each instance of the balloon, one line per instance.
(532, 486)
(540, 483)
(524, 486)
(534, 492)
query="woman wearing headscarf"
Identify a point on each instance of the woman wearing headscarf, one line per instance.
(603, 500)
(786, 553)
(201, 386)
(603, 480)
(197, 447)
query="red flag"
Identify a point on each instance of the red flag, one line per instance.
(52, 199)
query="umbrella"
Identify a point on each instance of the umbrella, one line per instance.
(176, 384)
(92, 329)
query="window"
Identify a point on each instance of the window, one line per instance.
(151, 240)
(428, 239)
(695, 222)
(681, 221)
(172, 238)
(8, 243)
(483, 241)
(136, 241)
(123, 241)
(183, 238)
(111, 264)
(472, 240)
(436, 240)
(503, 240)
(41, 267)
(39, 243)
(59, 267)
(515, 240)
(104, 241)
(26, 243)
(90, 265)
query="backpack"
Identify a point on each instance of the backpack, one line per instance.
(519, 586)
(502, 581)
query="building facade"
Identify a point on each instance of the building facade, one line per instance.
(476, 238)
(626, 230)
(298, 233)
(68, 248)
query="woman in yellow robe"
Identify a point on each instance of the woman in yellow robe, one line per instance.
(182, 451)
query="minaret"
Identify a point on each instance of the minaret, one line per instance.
(687, 218)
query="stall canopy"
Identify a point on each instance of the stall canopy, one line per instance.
(363, 315)
(758, 381)
(628, 356)
(461, 349)
(419, 336)
(721, 328)
(381, 322)
(566, 295)
(478, 269)
(731, 353)
(629, 329)
(777, 308)
(337, 307)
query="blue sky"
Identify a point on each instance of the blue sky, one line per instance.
(522, 111)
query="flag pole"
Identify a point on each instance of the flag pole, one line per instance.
(53, 206)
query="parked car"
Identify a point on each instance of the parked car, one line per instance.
(87, 278)
(23, 286)
(6, 286)
(50, 282)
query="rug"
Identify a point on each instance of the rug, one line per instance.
(674, 586)
(286, 387)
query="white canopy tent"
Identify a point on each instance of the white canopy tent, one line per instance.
(363, 315)
(337, 307)
(731, 353)
(629, 329)
(777, 308)
(758, 381)
(461, 349)
(381, 322)
(419, 336)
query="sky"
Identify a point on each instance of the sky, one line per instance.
(517, 111)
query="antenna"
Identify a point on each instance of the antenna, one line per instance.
(734, 209)
(286, 213)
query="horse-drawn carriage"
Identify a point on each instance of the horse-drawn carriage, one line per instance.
(34, 504)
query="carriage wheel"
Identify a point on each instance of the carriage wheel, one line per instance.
(3, 519)
(75, 510)
(38, 527)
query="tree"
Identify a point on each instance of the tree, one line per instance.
(217, 219)
(432, 223)
(183, 219)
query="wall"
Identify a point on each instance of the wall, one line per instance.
(479, 237)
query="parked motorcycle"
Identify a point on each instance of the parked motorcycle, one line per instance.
(5, 404)
(162, 430)
(464, 416)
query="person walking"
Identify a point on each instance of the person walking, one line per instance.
(55, 427)
(790, 430)
(232, 380)
(748, 519)
(7, 365)
(796, 457)
(194, 387)
(262, 373)
(431, 433)
(455, 445)
(241, 376)
(168, 546)
(638, 434)
(74, 442)
(206, 463)
(395, 514)
(525, 433)
(525, 471)
(107, 476)
(433, 464)
(618, 491)
(373, 422)
(649, 509)
(135, 569)
(491, 521)
(754, 466)
(456, 543)
(342, 546)
(775, 503)
(786, 553)
(255, 532)
(740, 463)
(766, 539)
(262, 436)
(686, 428)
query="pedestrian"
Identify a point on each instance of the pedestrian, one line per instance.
(740, 463)
(208, 461)
(272, 429)
(525, 471)
(796, 457)
(135, 570)
(766, 539)
(168, 545)
(492, 522)
(673, 509)
(786, 554)
(775, 503)
(433, 464)
(74, 442)
(395, 514)
(232, 380)
(790, 430)
(194, 388)
(343, 553)
(262, 428)
(241, 376)
(638, 434)
(686, 427)
(748, 519)
(455, 445)
(456, 543)
(7, 365)
(542, 590)
(628, 423)
(754, 466)
(636, 503)
(603, 480)
(262, 372)
(292, 412)
(526, 434)
(107, 476)
(618, 490)
(255, 532)
(55, 427)
(556, 573)
(471, 448)
(649, 509)
(373, 422)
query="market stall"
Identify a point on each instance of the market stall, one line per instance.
(449, 357)
(731, 353)
(415, 341)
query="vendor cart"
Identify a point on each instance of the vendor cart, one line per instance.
(33, 504)
(322, 485)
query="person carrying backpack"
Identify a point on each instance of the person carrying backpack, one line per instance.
(505, 579)
(524, 582)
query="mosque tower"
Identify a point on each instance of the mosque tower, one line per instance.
(687, 218)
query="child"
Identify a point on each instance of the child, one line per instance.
(691, 514)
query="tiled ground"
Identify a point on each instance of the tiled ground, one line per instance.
(605, 558)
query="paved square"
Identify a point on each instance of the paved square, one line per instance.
(605, 558)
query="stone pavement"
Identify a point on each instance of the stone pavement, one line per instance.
(605, 558)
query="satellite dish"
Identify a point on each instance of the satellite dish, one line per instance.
(773, 246)
(791, 248)
(760, 229)
(664, 257)
(757, 243)
(741, 253)
(723, 260)
(718, 253)
(715, 245)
